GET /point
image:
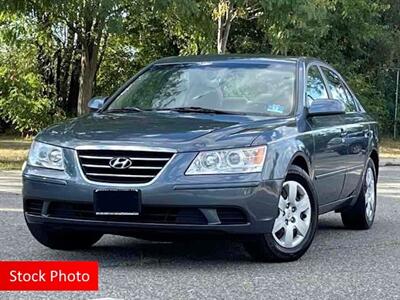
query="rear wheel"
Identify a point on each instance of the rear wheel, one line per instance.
(295, 225)
(63, 239)
(362, 214)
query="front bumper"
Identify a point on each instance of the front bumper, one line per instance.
(257, 201)
(194, 202)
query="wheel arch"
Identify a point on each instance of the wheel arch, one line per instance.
(301, 160)
(375, 158)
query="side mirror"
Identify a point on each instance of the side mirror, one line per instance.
(323, 107)
(96, 103)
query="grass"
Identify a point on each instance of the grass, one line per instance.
(14, 150)
(389, 148)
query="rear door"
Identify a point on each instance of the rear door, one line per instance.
(355, 131)
(330, 150)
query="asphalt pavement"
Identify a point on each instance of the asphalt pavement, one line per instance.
(341, 263)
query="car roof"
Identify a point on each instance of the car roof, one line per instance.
(232, 57)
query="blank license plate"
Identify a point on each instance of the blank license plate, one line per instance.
(117, 202)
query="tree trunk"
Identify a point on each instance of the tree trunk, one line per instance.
(225, 19)
(86, 79)
(91, 37)
(73, 89)
(219, 36)
(227, 29)
(73, 93)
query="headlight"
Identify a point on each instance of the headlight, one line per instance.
(46, 156)
(243, 160)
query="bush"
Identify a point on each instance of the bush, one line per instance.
(25, 101)
(28, 115)
(22, 100)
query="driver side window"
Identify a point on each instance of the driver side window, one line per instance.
(315, 85)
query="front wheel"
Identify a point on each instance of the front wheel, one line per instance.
(63, 239)
(294, 227)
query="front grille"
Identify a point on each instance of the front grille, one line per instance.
(149, 214)
(33, 207)
(145, 165)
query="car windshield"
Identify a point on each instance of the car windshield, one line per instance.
(251, 88)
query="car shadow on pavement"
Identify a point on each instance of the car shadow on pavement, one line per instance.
(117, 251)
(196, 250)
(120, 251)
(333, 222)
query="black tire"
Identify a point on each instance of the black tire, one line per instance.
(62, 239)
(265, 248)
(355, 217)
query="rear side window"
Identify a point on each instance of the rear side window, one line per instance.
(351, 98)
(339, 90)
(315, 85)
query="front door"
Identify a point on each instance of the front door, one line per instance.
(330, 149)
(329, 157)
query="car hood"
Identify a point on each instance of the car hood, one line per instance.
(180, 131)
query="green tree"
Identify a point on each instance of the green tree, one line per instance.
(91, 21)
(88, 23)
(75, 47)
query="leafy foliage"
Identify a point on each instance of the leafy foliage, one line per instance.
(24, 101)
(54, 52)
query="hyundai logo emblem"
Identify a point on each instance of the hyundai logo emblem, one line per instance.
(120, 163)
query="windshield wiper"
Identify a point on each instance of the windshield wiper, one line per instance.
(122, 110)
(188, 109)
(198, 109)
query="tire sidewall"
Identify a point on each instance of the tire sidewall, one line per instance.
(370, 164)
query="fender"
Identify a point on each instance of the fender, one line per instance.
(281, 154)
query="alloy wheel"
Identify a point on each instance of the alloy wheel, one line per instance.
(293, 222)
(370, 194)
